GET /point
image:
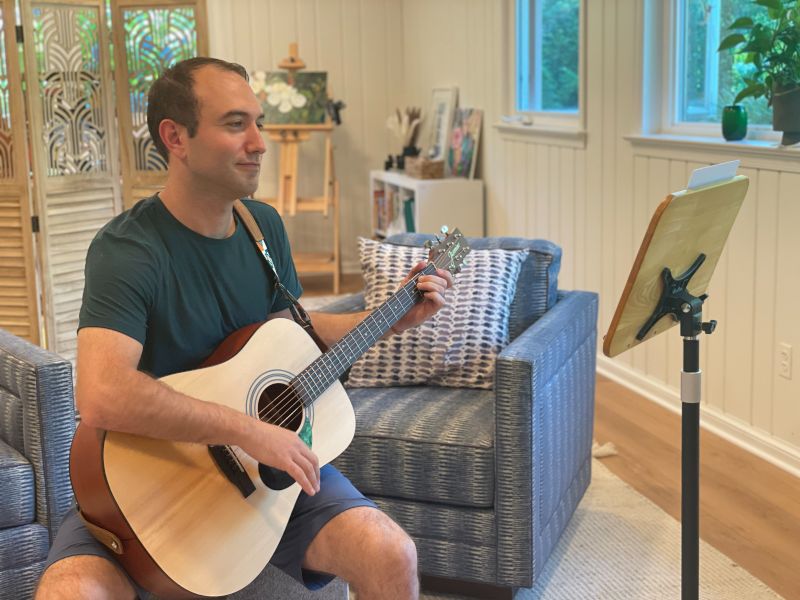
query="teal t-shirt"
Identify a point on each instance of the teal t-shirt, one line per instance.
(177, 292)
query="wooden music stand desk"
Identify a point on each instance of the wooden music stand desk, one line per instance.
(667, 286)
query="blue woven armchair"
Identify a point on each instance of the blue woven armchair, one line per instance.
(486, 480)
(37, 420)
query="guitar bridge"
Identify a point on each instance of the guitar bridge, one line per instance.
(232, 468)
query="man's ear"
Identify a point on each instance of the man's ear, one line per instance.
(174, 135)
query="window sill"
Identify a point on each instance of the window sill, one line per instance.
(546, 134)
(756, 149)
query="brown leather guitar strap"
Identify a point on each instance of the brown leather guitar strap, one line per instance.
(299, 314)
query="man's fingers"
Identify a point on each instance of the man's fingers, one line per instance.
(299, 475)
(446, 275)
(437, 298)
(310, 465)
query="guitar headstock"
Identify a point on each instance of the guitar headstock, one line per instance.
(448, 253)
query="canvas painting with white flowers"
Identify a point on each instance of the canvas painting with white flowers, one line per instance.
(291, 98)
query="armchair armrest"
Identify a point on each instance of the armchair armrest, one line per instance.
(348, 303)
(544, 414)
(36, 402)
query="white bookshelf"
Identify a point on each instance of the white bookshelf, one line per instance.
(455, 202)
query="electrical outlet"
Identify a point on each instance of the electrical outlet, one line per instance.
(785, 360)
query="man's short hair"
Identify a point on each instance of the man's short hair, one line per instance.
(172, 96)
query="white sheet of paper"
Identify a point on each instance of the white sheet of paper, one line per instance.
(712, 174)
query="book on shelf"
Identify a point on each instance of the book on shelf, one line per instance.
(394, 216)
(393, 211)
(408, 213)
(379, 210)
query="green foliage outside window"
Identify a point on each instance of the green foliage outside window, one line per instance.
(769, 43)
(560, 31)
(700, 102)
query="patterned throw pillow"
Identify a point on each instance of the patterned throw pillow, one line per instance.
(457, 347)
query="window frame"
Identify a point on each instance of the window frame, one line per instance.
(572, 121)
(670, 43)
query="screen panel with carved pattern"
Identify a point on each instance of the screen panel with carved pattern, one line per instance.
(155, 39)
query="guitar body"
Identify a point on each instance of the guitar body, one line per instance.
(184, 528)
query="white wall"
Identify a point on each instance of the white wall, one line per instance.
(596, 198)
(359, 43)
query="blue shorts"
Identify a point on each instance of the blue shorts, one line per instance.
(310, 514)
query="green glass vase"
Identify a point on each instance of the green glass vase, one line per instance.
(734, 122)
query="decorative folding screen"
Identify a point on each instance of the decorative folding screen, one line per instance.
(150, 36)
(74, 149)
(19, 310)
(75, 163)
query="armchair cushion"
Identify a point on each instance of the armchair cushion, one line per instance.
(16, 479)
(458, 346)
(440, 439)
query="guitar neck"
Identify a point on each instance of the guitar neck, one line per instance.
(321, 373)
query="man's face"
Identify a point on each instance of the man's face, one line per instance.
(225, 153)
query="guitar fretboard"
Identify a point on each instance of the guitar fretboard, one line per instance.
(320, 374)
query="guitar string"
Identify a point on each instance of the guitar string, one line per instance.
(280, 413)
(290, 410)
(290, 406)
(287, 409)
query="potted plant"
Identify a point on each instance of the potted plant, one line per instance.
(771, 44)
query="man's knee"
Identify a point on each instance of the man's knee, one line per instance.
(89, 577)
(389, 551)
(402, 553)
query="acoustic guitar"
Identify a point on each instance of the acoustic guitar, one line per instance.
(190, 520)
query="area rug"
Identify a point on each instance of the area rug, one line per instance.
(621, 546)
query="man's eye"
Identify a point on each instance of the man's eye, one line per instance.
(236, 123)
(260, 125)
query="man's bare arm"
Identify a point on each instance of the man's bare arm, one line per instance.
(112, 394)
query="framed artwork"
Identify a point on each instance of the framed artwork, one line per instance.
(462, 151)
(286, 98)
(443, 104)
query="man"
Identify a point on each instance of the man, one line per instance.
(166, 282)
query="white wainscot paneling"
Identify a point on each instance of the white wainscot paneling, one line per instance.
(753, 296)
(360, 45)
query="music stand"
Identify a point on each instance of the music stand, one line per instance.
(667, 286)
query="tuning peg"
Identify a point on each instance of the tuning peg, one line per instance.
(444, 229)
(428, 244)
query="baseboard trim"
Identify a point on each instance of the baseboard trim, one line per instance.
(760, 444)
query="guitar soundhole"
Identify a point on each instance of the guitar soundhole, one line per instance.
(279, 405)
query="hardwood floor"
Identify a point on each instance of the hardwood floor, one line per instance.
(749, 509)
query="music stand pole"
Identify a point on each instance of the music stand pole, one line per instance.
(677, 302)
(690, 470)
(690, 226)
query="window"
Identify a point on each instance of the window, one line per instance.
(548, 65)
(704, 80)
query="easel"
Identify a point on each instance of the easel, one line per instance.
(289, 137)
(667, 285)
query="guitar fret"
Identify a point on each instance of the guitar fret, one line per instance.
(320, 374)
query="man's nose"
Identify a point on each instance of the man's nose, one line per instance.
(255, 141)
